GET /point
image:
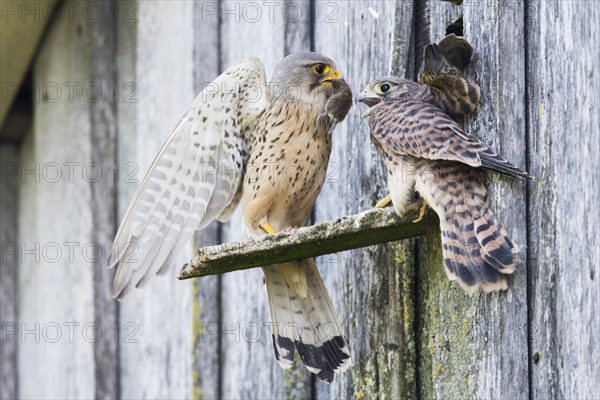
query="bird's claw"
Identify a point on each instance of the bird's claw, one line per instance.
(421, 212)
(386, 201)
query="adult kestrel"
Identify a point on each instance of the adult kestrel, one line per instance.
(268, 147)
(423, 148)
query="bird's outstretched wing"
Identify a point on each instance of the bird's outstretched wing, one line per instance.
(194, 178)
(421, 130)
(442, 69)
(458, 50)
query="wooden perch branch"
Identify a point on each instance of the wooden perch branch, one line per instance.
(365, 229)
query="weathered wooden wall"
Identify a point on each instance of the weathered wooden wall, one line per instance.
(563, 144)
(412, 332)
(9, 203)
(55, 284)
(476, 346)
(372, 288)
(159, 64)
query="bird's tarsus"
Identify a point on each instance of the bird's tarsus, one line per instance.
(386, 201)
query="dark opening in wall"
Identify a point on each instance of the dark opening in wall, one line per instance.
(456, 27)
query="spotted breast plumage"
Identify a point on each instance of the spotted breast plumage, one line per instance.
(266, 147)
(425, 150)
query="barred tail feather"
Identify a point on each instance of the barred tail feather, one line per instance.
(498, 249)
(477, 250)
(463, 261)
(305, 321)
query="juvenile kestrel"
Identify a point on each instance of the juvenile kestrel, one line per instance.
(268, 147)
(423, 148)
(442, 68)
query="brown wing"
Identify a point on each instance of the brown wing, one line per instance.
(424, 131)
(442, 70)
(458, 50)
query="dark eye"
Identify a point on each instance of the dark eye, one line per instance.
(320, 69)
(385, 87)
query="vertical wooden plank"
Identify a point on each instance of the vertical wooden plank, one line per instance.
(431, 19)
(298, 22)
(441, 341)
(297, 19)
(56, 292)
(563, 212)
(476, 346)
(206, 314)
(103, 155)
(248, 363)
(372, 288)
(207, 290)
(9, 208)
(244, 27)
(156, 60)
(500, 122)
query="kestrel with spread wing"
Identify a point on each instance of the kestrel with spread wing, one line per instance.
(426, 150)
(442, 68)
(266, 146)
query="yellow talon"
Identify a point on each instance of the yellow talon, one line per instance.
(384, 202)
(421, 212)
(268, 228)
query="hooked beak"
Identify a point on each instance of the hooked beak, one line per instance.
(370, 101)
(335, 74)
(369, 98)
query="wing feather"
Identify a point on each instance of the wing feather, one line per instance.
(422, 130)
(194, 177)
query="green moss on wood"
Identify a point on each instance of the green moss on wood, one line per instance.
(365, 379)
(388, 371)
(297, 381)
(197, 332)
(447, 345)
(365, 229)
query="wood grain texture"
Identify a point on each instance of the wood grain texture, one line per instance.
(500, 122)
(477, 346)
(371, 288)
(412, 332)
(443, 340)
(103, 138)
(56, 291)
(206, 308)
(371, 227)
(9, 235)
(156, 76)
(298, 20)
(564, 248)
(247, 360)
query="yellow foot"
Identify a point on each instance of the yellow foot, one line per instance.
(421, 212)
(386, 201)
(267, 228)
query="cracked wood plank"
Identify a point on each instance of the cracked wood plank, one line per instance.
(563, 218)
(156, 72)
(476, 346)
(365, 229)
(372, 288)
